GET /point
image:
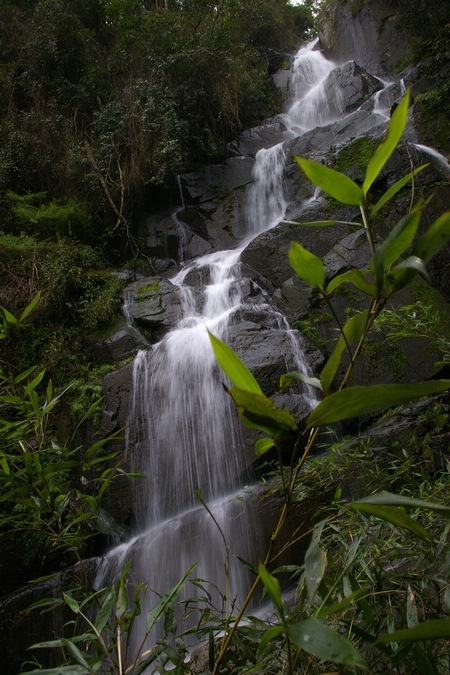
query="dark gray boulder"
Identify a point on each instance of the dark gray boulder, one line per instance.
(154, 305)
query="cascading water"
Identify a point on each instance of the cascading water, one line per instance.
(183, 435)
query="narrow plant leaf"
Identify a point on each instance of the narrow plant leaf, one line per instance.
(403, 273)
(396, 188)
(264, 445)
(29, 308)
(391, 499)
(29, 388)
(395, 131)
(434, 239)
(321, 641)
(352, 330)
(396, 243)
(271, 633)
(394, 515)
(166, 600)
(336, 184)
(329, 610)
(437, 629)
(261, 413)
(411, 609)
(355, 401)
(233, 367)
(308, 266)
(273, 588)
(288, 379)
(10, 318)
(355, 277)
(315, 562)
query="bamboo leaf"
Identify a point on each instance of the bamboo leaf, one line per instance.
(10, 318)
(321, 641)
(263, 445)
(355, 401)
(332, 182)
(434, 239)
(273, 588)
(395, 244)
(233, 367)
(391, 499)
(403, 273)
(396, 188)
(308, 266)
(261, 412)
(167, 599)
(315, 562)
(436, 629)
(288, 379)
(394, 515)
(29, 308)
(34, 383)
(352, 330)
(395, 131)
(271, 634)
(355, 277)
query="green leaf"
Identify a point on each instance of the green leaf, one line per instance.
(355, 277)
(273, 588)
(321, 641)
(263, 445)
(9, 317)
(34, 383)
(315, 562)
(332, 182)
(29, 308)
(329, 610)
(288, 379)
(73, 604)
(395, 244)
(402, 274)
(233, 367)
(394, 515)
(437, 629)
(167, 600)
(391, 499)
(271, 634)
(355, 401)
(23, 376)
(308, 266)
(352, 330)
(260, 412)
(434, 239)
(395, 131)
(396, 188)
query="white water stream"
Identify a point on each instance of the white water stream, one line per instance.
(183, 432)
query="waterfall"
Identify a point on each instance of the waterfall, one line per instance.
(183, 433)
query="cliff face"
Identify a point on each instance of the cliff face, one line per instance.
(368, 32)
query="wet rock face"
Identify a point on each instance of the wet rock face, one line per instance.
(366, 32)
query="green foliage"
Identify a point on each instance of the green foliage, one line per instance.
(49, 489)
(389, 272)
(100, 100)
(368, 562)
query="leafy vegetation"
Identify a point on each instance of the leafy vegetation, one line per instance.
(50, 490)
(300, 630)
(372, 592)
(103, 101)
